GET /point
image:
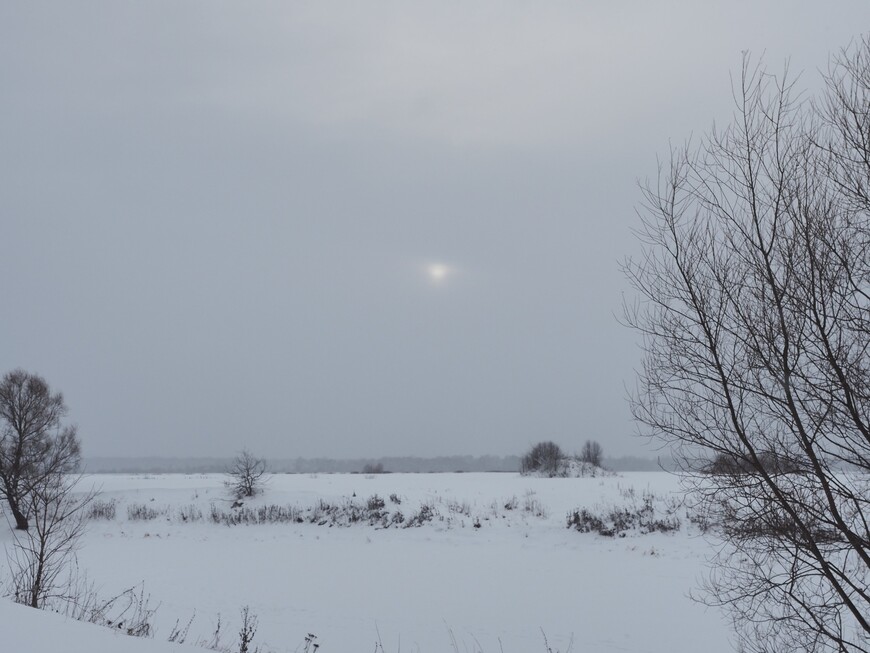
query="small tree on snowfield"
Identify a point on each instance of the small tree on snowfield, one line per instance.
(246, 475)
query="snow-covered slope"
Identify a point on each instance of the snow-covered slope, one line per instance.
(25, 630)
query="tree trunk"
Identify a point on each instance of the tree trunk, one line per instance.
(36, 590)
(21, 523)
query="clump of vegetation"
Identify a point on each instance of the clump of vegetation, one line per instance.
(374, 511)
(144, 512)
(102, 509)
(349, 512)
(544, 458)
(189, 513)
(640, 516)
(375, 503)
(425, 514)
(591, 453)
(548, 459)
(459, 507)
(533, 506)
(245, 515)
(129, 612)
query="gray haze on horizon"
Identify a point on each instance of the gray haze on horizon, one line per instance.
(218, 220)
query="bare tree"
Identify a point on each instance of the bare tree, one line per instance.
(247, 475)
(34, 445)
(544, 457)
(591, 453)
(755, 320)
(42, 557)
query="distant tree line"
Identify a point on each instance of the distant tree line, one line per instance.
(396, 464)
(163, 465)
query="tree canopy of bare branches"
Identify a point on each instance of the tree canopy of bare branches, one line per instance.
(754, 313)
(34, 444)
(545, 458)
(247, 475)
(591, 453)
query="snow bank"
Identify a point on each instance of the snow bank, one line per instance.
(26, 630)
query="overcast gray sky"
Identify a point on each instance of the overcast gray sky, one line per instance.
(349, 229)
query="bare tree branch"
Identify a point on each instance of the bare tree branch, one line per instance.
(754, 314)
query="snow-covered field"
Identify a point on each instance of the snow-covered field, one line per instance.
(446, 585)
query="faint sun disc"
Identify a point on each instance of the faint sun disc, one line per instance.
(438, 273)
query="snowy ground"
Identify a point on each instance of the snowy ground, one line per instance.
(446, 585)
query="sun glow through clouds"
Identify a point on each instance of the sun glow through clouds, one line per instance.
(439, 273)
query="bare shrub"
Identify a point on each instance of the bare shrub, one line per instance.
(43, 555)
(102, 509)
(144, 512)
(375, 503)
(129, 611)
(247, 631)
(190, 513)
